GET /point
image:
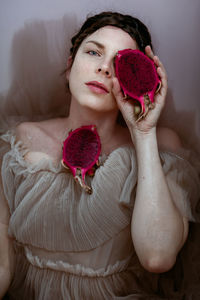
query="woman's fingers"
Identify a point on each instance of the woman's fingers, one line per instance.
(155, 58)
(129, 108)
(149, 52)
(160, 70)
(159, 66)
(117, 90)
(162, 74)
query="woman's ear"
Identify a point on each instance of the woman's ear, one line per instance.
(69, 65)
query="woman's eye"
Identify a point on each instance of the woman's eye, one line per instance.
(92, 52)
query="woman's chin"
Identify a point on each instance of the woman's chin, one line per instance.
(99, 105)
(100, 108)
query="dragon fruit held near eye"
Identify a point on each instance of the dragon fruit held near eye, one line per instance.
(137, 77)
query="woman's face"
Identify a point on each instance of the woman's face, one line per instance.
(91, 74)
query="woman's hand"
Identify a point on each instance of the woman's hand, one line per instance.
(128, 106)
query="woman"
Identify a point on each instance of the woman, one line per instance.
(66, 244)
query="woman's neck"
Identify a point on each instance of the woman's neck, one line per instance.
(105, 122)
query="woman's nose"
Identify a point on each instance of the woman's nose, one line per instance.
(105, 69)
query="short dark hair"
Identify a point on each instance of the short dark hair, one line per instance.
(133, 26)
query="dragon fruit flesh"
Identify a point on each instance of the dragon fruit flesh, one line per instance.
(137, 77)
(81, 151)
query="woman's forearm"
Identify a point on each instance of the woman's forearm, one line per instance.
(158, 229)
(7, 260)
(5, 281)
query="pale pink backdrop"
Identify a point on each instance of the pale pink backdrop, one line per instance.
(35, 39)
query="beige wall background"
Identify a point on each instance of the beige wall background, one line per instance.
(35, 40)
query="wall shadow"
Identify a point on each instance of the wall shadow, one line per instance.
(38, 57)
(183, 122)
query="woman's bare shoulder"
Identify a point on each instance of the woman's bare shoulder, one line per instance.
(37, 133)
(168, 139)
(25, 130)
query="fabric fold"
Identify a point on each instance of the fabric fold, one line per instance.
(50, 213)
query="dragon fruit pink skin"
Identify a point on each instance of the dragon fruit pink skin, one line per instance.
(81, 151)
(137, 77)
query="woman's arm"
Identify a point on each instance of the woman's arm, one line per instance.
(158, 228)
(6, 260)
(6, 247)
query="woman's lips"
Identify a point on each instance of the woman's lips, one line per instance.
(97, 87)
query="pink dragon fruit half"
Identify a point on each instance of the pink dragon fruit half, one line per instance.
(137, 77)
(81, 151)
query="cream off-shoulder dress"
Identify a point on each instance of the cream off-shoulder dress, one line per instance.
(74, 246)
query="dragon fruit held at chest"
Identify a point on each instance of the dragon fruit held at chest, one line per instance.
(81, 152)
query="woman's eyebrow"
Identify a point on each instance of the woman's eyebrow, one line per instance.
(101, 46)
